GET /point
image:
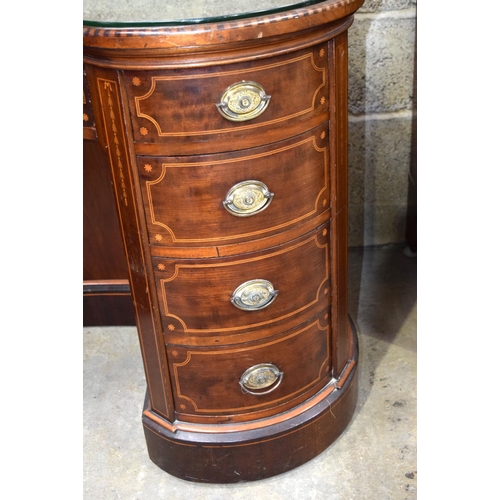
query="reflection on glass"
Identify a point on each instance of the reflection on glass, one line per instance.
(168, 12)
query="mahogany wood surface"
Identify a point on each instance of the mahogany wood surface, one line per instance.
(206, 384)
(296, 171)
(103, 253)
(107, 303)
(339, 46)
(111, 46)
(173, 158)
(178, 107)
(104, 263)
(252, 451)
(194, 295)
(107, 300)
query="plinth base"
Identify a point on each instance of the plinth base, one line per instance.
(231, 453)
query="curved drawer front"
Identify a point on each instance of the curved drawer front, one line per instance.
(251, 378)
(215, 200)
(261, 292)
(230, 106)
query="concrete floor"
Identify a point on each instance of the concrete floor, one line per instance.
(374, 459)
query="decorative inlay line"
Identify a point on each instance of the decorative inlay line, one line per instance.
(113, 129)
(236, 73)
(189, 354)
(110, 88)
(232, 161)
(178, 267)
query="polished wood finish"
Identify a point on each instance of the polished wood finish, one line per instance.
(107, 298)
(257, 449)
(303, 354)
(107, 303)
(173, 160)
(176, 108)
(298, 166)
(103, 252)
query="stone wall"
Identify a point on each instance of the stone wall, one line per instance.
(381, 87)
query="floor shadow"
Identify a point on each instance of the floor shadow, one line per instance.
(382, 304)
(382, 279)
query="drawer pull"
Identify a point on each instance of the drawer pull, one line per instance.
(247, 198)
(260, 377)
(243, 101)
(254, 295)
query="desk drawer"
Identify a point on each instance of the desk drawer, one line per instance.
(215, 200)
(252, 296)
(251, 378)
(228, 107)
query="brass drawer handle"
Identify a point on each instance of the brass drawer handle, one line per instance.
(254, 295)
(247, 198)
(243, 101)
(259, 377)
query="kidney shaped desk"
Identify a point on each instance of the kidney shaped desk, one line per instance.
(226, 129)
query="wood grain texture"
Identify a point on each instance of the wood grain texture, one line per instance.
(104, 89)
(178, 107)
(253, 451)
(103, 252)
(296, 171)
(206, 380)
(195, 295)
(107, 303)
(339, 161)
(173, 159)
(104, 259)
(187, 39)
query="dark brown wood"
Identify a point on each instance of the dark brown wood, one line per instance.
(179, 108)
(250, 452)
(204, 378)
(105, 94)
(194, 295)
(339, 202)
(103, 253)
(107, 303)
(88, 112)
(188, 40)
(299, 166)
(173, 159)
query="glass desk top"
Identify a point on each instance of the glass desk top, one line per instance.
(179, 12)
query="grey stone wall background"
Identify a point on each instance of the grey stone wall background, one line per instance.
(381, 78)
(381, 74)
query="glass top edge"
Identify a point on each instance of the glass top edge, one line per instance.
(201, 19)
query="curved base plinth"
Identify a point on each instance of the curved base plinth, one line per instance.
(242, 453)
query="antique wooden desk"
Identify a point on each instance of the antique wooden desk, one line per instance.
(226, 131)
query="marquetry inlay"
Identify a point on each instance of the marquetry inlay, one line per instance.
(111, 110)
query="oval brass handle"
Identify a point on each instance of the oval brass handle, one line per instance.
(261, 376)
(254, 295)
(247, 198)
(243, 101)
